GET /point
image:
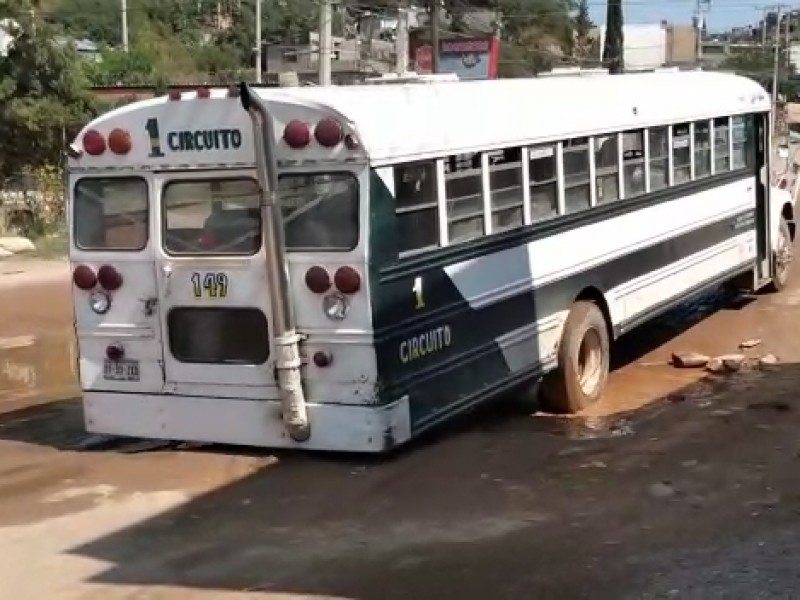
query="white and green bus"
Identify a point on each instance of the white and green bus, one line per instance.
(342, 268)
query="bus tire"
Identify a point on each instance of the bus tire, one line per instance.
(583, 362)
(783, 258)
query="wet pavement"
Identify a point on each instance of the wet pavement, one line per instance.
(681, 484)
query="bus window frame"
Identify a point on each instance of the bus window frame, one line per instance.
(186, 255)
(74, 203)
(562, 146)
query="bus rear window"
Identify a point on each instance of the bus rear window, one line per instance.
(320, 211)
(212, 216)
(110, 213)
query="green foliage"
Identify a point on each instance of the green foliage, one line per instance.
(43, 98)
(536, 35)
(586, 46)
(613, 55)
(755, 61)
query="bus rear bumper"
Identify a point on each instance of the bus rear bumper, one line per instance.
(334, 427)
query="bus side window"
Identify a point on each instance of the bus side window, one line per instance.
(743, 142)
(681, 153)
(464, 189)
(722, 149)
(544, 182)
(702, 149)
(659, 158)
(416, 206)
(606, 160)
(505, 189)
(577, 184)
(633, 163)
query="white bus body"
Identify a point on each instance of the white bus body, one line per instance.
(471, 223)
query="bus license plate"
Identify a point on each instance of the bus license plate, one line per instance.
(121, 370)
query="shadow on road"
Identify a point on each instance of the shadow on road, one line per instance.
(504, 510)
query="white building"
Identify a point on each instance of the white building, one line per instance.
(644, 46)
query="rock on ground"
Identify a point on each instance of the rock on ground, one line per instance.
(16, 245)
(689, 360)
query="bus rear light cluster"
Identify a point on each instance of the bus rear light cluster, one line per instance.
(329, 133)
(318, 280)
(94, 144)
(85, 278)
(202, 92)
(119, 142)
(346, 280)
(296, 135)
(109, 278)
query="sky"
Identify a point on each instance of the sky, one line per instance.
(721, 14)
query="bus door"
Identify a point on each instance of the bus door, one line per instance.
(762, 165)
(212, 286)
(114, 284)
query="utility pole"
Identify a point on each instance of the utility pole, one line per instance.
(435, 12)
(325, 42)
(258, 41)
(700, 23)
(776, 70)
(401, 43)
(124, 9)
(788, 42)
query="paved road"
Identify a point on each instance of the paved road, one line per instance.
(693, 495)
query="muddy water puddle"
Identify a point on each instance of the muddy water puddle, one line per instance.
(39, 367)
(613, 419)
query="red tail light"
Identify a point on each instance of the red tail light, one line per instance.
(110, 279)
(84, 277)
(203, 92)
(174, 94)
(119, 141)
(329, 132)
(94, 143)
(296, 135)
(318, 280)
(347, 280)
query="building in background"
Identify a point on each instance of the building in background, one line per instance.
(648, 46)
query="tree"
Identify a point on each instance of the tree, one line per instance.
(536, 35)
(43, 98)
(613, 53)
(586, 45)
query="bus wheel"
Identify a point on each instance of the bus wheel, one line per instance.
(583, 362)
(783, 258)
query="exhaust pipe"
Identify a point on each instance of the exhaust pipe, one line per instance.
(287, 341)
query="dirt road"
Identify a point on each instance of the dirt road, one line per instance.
(693, 495)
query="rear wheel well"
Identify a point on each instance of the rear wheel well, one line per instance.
(592, 294)
(788, 214)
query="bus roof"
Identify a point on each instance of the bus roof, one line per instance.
(402, 122)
